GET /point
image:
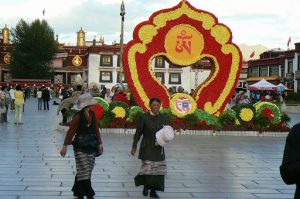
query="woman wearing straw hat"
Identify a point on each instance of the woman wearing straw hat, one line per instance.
(153, 169)
(87, 145)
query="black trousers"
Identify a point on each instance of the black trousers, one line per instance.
(63, 112)
(46, 104)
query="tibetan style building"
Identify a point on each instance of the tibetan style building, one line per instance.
(69, 61)
(277, 66)
(99, 63)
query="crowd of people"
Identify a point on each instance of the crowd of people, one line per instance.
(68, 98)
(13, 98)
(257, 96)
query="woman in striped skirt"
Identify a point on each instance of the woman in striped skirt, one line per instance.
(153, 169)
(85, 128)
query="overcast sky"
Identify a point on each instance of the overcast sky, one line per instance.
(266, 22)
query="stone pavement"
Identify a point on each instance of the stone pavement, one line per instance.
(198, 166)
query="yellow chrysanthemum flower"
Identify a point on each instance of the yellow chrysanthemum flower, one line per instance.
(246, 114)
(119, 112)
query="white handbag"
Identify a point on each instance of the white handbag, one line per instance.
(3, 110)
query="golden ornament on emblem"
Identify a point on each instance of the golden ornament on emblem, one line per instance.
(7, 58)
(77, 61)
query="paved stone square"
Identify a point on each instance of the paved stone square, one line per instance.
(198, 166)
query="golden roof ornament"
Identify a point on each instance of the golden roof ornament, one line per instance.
(5, 34)
(81, 37)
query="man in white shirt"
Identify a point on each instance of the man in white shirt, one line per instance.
(39, 97)
(12, 98)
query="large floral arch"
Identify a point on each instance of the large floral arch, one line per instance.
(183, 35)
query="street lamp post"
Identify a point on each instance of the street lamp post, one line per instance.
(122, 14)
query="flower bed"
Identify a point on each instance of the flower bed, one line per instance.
(204, 132)
(259, 118)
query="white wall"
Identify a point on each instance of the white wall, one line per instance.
(93, 68)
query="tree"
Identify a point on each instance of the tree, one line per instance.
(34, 50)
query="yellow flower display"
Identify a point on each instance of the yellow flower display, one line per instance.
(166, 34)
(119, 112)
(246, 114)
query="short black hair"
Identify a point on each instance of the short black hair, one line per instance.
(154, 99)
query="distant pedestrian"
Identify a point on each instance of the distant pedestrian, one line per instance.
(180, 89)
(39, 97)
(66, 105)
(46, 97)
(121, 96)
(4, 103)
(63, 94)
(153, 170)
(103, 92)
(290, 167)
(27, 92)
(108, 96)
(19, 104)
(12, 98)
(87, 145)
(95, 92)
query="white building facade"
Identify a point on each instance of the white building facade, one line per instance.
(104, 69)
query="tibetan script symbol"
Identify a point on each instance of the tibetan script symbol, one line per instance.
(184, 42)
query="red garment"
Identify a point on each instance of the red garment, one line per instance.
(122, 98)
(73, 128)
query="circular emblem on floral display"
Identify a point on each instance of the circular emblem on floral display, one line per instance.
(182, 105)
(184, 44)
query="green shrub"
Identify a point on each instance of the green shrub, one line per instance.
(285, 119)
(107, 117)
(168, 115)
(261, 121)
(134, 112)
(228, 117)
(208, 118)
(190, 120)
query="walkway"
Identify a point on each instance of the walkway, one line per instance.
(198, 166)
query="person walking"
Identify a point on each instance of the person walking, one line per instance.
(19, 103)
(66, 105)
(153, 170)
(95, 92)
(27, 92)
(4, 103)
(290, 166)
(46, 97)
(39, 97)
(12, 98)
(87, 144)
(120, 96)
(103, 92)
